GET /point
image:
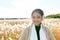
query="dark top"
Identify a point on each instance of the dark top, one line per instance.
(37, 31)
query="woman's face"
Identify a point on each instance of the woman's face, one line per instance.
(36, 18)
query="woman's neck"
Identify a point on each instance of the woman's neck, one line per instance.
(37, 25)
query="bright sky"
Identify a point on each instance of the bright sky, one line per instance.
(24, 8)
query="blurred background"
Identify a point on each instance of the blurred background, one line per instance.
(24, 8)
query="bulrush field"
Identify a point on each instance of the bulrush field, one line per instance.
(54, 26)
(13, 29)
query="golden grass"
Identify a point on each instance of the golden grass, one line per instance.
(12, 29)
(54, 26)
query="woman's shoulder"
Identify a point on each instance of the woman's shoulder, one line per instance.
(48, 33)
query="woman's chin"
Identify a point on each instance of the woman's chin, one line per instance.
(36, 24)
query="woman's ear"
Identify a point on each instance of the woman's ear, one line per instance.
(42, 18)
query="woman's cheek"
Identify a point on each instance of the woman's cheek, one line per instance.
(40, 21)
(36, 22)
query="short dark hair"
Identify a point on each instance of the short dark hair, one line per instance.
(39, 11)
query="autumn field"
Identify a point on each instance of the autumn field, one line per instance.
(54, 25)
(13, 29)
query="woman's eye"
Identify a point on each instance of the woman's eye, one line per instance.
(33, 17)
(38, 17)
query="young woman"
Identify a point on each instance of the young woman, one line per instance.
(38, 31)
